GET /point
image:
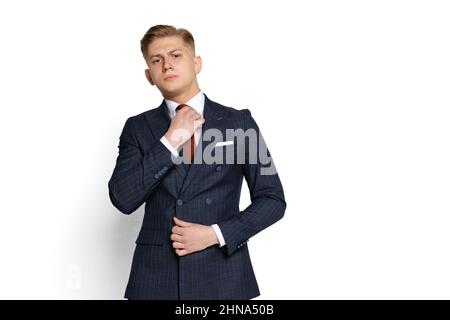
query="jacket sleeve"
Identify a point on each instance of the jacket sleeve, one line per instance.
(136, 174)
(266, 192)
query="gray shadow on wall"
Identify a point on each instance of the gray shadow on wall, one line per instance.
(122, 236)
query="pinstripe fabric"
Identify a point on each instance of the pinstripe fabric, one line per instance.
(200, 193)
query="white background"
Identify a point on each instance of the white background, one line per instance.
(352, 98)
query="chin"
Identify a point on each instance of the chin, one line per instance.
(170, 91)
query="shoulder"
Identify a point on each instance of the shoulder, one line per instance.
(231, 113)
(243, 115)
(240, 117)
(149, 113)
(140, 119)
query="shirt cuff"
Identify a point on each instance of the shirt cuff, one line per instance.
(167, 144)
(219, 235)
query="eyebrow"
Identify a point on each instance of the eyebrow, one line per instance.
(159, 55)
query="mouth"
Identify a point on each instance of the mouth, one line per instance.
(171, 77)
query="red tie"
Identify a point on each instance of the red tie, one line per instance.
(188, 147)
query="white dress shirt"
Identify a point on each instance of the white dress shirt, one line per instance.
(197, 102)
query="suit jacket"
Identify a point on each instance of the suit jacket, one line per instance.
(199, 193)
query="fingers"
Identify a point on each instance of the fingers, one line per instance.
(179, 242)
(195, 117)
(199, 122)
(189, 117)
(176, 237)
(190, 113)
(187, 110)
(177, 230)
(181, 252)
(178, 245)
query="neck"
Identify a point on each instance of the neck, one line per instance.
(183, 97)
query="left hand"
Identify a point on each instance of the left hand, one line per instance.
(190, 237)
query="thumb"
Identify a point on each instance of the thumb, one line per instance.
(181, 223)
(198, 122)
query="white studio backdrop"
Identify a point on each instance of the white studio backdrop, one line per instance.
(352, 98)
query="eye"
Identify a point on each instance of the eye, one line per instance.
(177, 55)
(155, 61)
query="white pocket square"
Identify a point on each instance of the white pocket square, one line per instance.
(224, 143)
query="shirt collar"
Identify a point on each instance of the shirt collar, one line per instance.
(197, 102)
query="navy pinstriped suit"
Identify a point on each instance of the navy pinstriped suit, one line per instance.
(199, 193)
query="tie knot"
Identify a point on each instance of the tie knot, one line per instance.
(181, 106)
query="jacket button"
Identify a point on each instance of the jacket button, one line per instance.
(218, 168)
(156, 176)
(179, 202)
(208, 201)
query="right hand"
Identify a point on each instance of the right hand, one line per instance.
(183, 126)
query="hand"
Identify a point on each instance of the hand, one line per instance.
(183, 126)
(190, 237)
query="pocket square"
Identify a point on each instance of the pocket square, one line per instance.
(224, 143)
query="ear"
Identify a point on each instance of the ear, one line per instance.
(198, 64)
(149, 78)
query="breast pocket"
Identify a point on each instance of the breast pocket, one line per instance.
(225, 154)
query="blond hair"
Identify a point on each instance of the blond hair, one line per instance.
(161, 31)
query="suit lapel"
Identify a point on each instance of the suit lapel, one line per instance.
(213, 116)
(159, 125)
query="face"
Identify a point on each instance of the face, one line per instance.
(172, 67)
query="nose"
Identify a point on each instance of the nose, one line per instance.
(167, 64)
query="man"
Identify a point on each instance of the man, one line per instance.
(193, 239)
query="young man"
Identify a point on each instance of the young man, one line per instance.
(193, 239)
